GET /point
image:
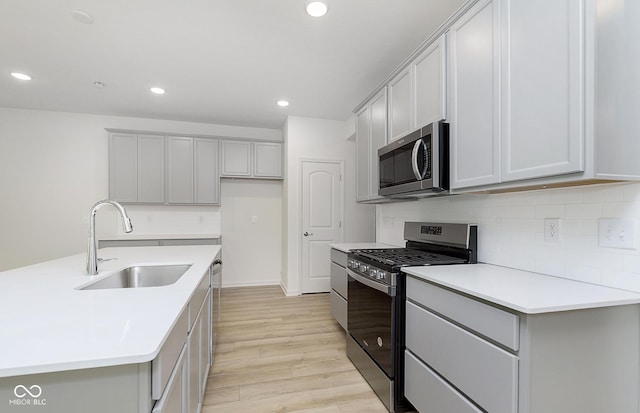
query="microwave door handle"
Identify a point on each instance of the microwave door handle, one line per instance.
(414, 160)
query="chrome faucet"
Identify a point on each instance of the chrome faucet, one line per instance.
(92, 259)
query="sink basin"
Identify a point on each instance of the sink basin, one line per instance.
(141, 277)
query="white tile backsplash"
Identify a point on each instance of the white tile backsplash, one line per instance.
(511, 229)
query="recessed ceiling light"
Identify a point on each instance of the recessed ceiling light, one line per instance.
(20, 76)
(157, 90)
(82, 17)
(283, 103)
(99, 85)
(316, 9)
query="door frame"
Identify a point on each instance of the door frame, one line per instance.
(300, 203)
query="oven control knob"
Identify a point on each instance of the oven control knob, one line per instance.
(373, 273)
(364, 268)
(381, 275)
(356, 265)
(350, 263)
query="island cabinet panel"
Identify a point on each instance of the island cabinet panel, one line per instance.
(123, 388)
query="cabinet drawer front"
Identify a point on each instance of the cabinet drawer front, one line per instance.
(162, 366)
(482, 371)
(429, 393)
(197, 299)
(338, 308)
(339, 279)
(172, 400)
(489, 321)
(339, 257)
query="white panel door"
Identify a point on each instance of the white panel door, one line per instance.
(322, 194)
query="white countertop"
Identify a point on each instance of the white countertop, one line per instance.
(523, 291)
(135, 236)
(346, 247)
(48, 325)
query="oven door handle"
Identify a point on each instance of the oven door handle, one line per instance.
(387, 289)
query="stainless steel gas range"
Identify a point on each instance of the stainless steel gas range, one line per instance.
(377, 294)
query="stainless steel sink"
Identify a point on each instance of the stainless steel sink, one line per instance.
(141, 277)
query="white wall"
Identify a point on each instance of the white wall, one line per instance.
(308, 138)
(511, 229)
(53, 167)
(251, 252)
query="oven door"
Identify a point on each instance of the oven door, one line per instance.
(371, 311)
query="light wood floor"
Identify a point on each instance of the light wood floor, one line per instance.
(283, 354)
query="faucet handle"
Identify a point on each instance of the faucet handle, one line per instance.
(106, 259)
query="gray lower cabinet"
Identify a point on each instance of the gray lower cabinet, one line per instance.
(464, 355)
(338, 294)
(173, 399)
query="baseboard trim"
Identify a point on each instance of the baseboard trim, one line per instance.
(289, 293)
(250, 283)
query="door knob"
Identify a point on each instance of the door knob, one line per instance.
(306, 234)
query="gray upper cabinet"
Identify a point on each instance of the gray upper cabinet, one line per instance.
(236, 158)
(371, 135)
(151, 169)
(400, 105)
(179, 170)
(123, 167)
(206, 171)
(267, 160)
(542, 104)
(154, 169)
(473, 91)
(430, 89)
(251, 159)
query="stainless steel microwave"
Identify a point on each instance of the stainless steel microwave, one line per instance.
(416, 165)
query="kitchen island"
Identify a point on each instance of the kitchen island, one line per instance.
(121, 349)
(489, 338)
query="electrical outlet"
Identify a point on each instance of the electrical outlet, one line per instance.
(617, 233)
(552, 229)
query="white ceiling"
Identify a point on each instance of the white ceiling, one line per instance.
(221, 61)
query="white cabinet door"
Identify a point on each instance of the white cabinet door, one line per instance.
(400, 105)
(542, 96)
(473, 97)
(151, 169)
(180, 170)
(123, 167)
(206, 171)
(236, 158)
(363, 159)
(378, 130)
(429, 79)
(267, 160)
